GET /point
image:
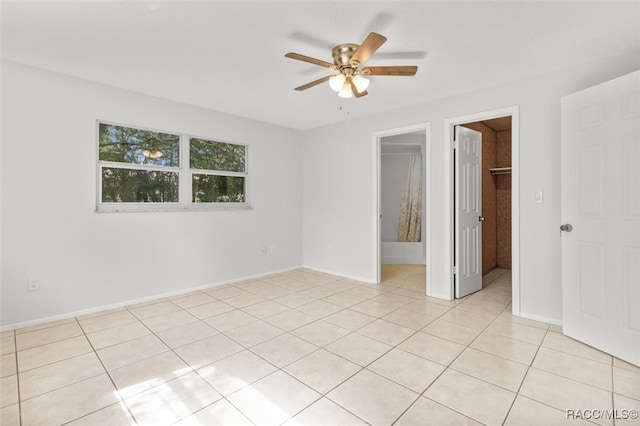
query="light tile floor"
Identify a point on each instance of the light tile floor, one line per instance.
(304, 348)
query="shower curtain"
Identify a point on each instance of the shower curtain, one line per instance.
(409, 227)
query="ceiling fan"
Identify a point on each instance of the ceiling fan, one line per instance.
(347, 58)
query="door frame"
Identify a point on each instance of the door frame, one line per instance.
(377, 199)
(449, 124)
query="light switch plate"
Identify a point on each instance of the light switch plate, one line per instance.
(537, 197)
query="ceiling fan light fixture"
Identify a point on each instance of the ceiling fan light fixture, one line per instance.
(347, 59)
(346, 92)
(337, 82)
(361, 83)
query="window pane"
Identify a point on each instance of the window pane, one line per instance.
(138, 186)
(217, 189)
(209, 155)
(128, 145)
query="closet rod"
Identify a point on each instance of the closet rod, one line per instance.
(500, 170)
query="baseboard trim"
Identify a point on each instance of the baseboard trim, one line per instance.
(97, 309)
(339, 274)
(541, 318)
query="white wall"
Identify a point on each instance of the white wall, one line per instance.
(393, 170)
(340, 212)
(85, 259)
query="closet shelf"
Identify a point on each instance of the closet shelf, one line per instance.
(500, 171)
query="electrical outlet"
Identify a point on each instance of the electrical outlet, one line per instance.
(263, 251)
(272, 250)
(329, 249)
(33, 285)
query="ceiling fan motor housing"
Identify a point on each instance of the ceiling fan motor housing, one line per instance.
(342, 55)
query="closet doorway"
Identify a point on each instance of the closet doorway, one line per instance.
(496, 193)
(500, 197)
(402, 208)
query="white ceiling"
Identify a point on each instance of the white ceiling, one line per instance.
(229, 55)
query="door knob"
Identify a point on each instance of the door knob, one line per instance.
(566, 228)
(481, 218)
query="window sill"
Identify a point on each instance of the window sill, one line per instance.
(120, 208)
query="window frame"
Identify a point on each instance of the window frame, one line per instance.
(184, 172)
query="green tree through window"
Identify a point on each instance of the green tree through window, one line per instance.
(145, 167)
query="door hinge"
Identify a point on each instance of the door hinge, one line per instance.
(455, 269)
(455, 144)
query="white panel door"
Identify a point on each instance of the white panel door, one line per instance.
(468, 211)
(601, 202)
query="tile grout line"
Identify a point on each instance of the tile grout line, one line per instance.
(318, 319)
(15, 343)
(108, 375)
(448, 366)
(525, 377)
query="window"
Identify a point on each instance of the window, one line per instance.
(220, 171)
(150, 170)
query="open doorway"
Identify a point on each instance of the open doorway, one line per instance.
(500, 208)
(496, 171)
(402, 208)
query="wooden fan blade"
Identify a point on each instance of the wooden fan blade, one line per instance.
(310, 60)
(357, 94)
(313, 83)
(367, 48)
(400, 70)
